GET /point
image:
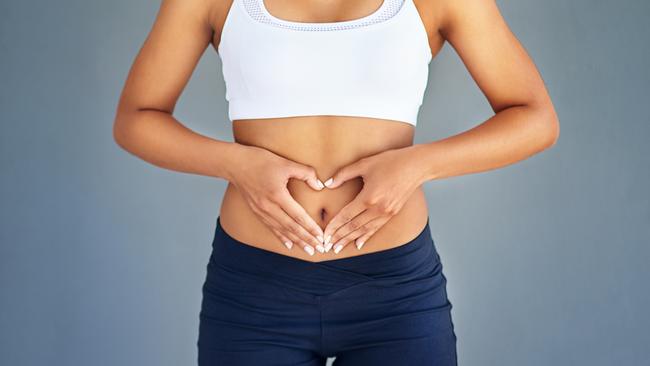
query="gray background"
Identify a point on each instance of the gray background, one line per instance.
(103, 255)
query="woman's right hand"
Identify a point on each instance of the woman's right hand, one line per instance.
(262, 177)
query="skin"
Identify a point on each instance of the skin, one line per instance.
(275, 167)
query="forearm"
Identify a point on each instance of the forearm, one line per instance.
(158, 138)
(511, 135)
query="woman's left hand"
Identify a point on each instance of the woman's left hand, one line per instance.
(389, 179)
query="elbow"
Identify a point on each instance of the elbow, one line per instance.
(552, 129)
(119, 135)
(121, 130)
(548, 126)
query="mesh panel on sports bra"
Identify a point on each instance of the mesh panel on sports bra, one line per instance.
(387, 10)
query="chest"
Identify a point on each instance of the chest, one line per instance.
(380, 50)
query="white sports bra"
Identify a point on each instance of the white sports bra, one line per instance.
(375, 66)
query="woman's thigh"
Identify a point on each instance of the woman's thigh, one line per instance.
(401, 317)
(436, 350)
(261, 354)
(247, 319)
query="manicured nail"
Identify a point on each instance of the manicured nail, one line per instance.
(288, 244)
(309, 249)
(328, 182)
(328, 246)
(320, 184)
(320, 238)
(360, 244)
(320, 248)
(337, 248)
(327, 240)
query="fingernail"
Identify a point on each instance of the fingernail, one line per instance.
(320, 238)
(338, 248)
(309, 249)
(328, 246)
(320, 184)
(360, 244)
(288, 244)
(320, 248)
(327, 240)
(328, 182)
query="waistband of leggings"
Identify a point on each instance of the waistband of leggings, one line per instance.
(406, 258)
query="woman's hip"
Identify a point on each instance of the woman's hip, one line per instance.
(238, 266)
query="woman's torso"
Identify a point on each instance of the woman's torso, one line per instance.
(326, 143)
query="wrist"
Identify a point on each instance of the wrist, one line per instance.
(423, 158)
(230, 159)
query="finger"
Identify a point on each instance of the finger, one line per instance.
(292, 238)
(274, 225)
(301, 243)
(351, 226)
(347, 213)
(272, 215)
(291, 226)
(346, 173)
(300, 215)
(352, 235)
(285, 240)
(307, 174)
(375, 225)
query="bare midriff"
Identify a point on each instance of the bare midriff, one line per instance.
(326, 143)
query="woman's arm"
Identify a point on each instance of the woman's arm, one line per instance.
(525, 121)
(144, 126)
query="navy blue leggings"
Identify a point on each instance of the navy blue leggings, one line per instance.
(263, 308)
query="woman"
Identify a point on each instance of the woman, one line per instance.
(323, 98)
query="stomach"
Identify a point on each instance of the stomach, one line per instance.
(326, 143)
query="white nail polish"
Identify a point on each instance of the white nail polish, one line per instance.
(360, 244)
(328, 182)
(328, 246)
(320, 238)
(327, 240)
(288, 244)
(338, 248)
(309, 249)
(320, 184)
(320, 248)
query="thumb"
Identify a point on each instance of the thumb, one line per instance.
(307, 174)
(344, 174)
